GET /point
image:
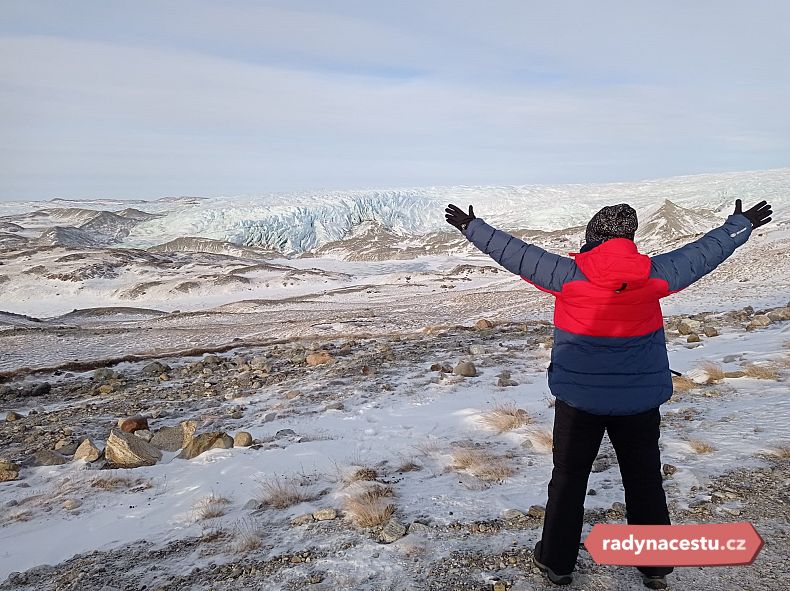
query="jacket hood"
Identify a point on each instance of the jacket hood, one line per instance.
(615, 264)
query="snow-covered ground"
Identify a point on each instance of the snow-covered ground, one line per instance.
(310, 279)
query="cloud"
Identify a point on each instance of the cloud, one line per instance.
(204, 97)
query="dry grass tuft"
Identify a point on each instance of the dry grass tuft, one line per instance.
(364, 473)
(762, 371)
(281, 494)
(481, 464)
(701, 447)
(371, 507)
(210, 507)
(408, 466)
(506, 417)
(110, 483)
(682, 384)
(246, 537)
(781, 451)
(212, 535)
(541, 438)
(714, 371)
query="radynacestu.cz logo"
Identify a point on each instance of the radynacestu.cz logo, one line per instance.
(715, 544)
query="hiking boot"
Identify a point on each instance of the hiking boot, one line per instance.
(550, 574)
(654, 581)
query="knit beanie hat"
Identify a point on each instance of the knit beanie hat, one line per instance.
(612, 221)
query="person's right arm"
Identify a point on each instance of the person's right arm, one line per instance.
(682, 267)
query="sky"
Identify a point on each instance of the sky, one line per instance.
(110, 98)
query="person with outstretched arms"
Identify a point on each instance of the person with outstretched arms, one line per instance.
(609, 368)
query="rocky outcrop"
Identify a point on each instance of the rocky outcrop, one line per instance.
(174, 438)
(204, 442)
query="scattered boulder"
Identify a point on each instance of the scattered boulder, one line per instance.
(442, 367)
(41, 389)
(693, 338)
(779, 314)
(506, 382)
(87, 451)
(477, 349)
(466, 369)
(268, 417)
(618, 508)
(710, 331)
(284, 433)
(46, 457)
(688, 326)
(334, 405)
(261, 363)
(8, 471)
(132, 424)
(325, 514)
(105, 389)
(126, 450)
(174, 438)
(483, 324)
(302, 519)
(513, 514)
(291, 394)
(319, 358)
(537, 511)
(13, 416)
(204, 442)
(155, 368)
(668, 469)
(392, 531)
(67, 446)
(758, 321)
(72, 504)
(103, 374)
(144, 434)
(242, 439)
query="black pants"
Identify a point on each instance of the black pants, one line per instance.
(577, 437)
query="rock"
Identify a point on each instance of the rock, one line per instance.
(67, 447)
(291, 394)
(46, 457)
(325, 514)
(418, 527)
(601, 464)
(592, 492)
(126, 450)
(13, 416)
(758, 321)
(261, 363)
(204, 442)
(155, 368)
(211, 359)
(71, 504)
(477, 349)
(668, 469)
(506, 382)
(499, 586)
(779, 315)
(144, 434)
(284, 433)
(174, 438)
(693, 338)
(268, 417)
(8, 471)
(618, 508)
(41, 389)
(319, 358)
(87, 451)
(688, 326)
(466, 369)
(302, 519)
(513, 514)
(335, 405)
(710, 331)
(483, 324)
(132, 424)
(242, 439)
(537, 511)
(444, 367)
(392, 531)
(105, 389)
(732, 358)
(734, 374)
(103, 374)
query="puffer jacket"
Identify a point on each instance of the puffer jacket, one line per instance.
(609, 355)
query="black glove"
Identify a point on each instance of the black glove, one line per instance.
(455, 216)
(759, 215)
